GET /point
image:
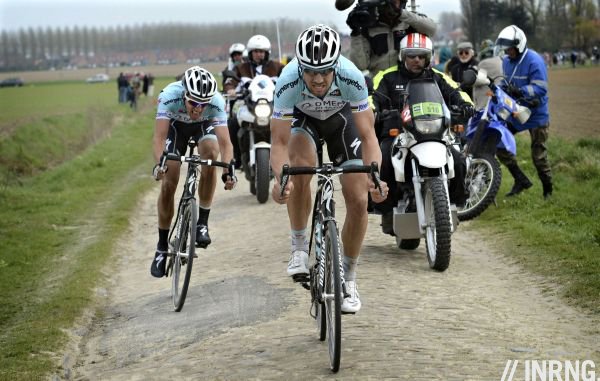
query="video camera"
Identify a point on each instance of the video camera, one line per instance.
(364, 14)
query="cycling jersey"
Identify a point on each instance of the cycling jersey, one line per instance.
(349, 86)
(171, 106)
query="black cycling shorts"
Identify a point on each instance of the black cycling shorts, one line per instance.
(180, 133)
(338, 132)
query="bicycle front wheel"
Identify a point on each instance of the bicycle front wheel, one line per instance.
(332, 294)
(183, 256)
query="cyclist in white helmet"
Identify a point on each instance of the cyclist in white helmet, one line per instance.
(322, 96)
(186, 108)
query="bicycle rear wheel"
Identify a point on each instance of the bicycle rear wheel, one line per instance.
(332, 294)
(183, 257)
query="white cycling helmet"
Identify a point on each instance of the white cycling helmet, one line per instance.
(416, 43)
(199, 83)
(259, 42)
(511, 36)
(318, 47)
(236, 48)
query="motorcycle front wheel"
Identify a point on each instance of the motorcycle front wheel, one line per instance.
(262, 176)
(482, 182)
(437, 233)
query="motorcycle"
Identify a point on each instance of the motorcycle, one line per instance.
(253, 111)
(487, 131)
(421, 152)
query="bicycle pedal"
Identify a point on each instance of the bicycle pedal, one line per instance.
(301, 278)
(306, 285)
(348, 313)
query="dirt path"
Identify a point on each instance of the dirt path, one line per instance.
(244, 319)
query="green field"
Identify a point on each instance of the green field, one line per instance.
(73, 163)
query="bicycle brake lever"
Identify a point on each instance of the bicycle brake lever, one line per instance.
(375, 177)
(285, 177)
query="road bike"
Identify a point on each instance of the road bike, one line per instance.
(182, 236)
(325, 280)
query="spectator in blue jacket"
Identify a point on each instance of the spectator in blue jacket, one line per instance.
(527, 82)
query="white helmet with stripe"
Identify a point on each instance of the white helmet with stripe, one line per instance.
(418, 44)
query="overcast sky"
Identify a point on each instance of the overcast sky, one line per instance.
(15, 14)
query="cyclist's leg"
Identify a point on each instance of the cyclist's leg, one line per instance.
(343, 150)
(302, 152)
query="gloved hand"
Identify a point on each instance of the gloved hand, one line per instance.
(514, 91)
(467, 110)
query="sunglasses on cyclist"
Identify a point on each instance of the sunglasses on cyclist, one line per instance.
(318, 71)
(194, 103)
(464, 52)
(419, 56)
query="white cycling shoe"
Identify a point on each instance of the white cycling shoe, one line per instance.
(298, 263)
(352, 303)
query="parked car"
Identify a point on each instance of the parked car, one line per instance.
(12, 82)
(98, 78)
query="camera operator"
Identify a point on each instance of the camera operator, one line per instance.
(377, 28)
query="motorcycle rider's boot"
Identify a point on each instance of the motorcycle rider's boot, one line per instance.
(522, 182)
(546, 186)
(202, 237)
(387, 223)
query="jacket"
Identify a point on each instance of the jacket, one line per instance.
(376, 48)
(249, 70)
(390, 83)
(528, 73)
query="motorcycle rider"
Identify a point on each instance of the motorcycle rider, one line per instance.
(527, 79)
(322, 94)
(190, 107)
(416, 52)
(259, 50)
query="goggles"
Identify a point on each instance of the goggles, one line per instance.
(464, 52)
(422, 57)
(319, 71)
(194, 103)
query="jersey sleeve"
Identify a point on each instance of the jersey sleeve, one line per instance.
(287, 91)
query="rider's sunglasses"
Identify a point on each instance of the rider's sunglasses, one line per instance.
(193, 103)
(419, 56)
(321, 71)
(464, 52)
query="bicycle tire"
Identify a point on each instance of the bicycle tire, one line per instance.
(315, 280)
(184, 254)
(333, 294)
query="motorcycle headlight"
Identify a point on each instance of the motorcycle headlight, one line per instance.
(430, 126)
(503, 113)
(262, 110)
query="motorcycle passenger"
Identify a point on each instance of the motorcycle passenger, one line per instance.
(322, 95)
(527, 79)
(236, 52)
(377, 28)
(190, 107)
(416, 51)
(259, 50)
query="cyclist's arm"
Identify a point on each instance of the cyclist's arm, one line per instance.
(364, 121)
(161, 130)
(225, 146)
(280, 136)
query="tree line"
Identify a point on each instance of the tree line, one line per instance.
(45, 48)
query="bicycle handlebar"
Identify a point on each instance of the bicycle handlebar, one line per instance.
(195, 159)
(329, 169)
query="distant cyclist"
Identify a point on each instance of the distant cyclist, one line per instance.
(186, 108)
(322, 95)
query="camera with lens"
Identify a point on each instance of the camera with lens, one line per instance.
(364, 14)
